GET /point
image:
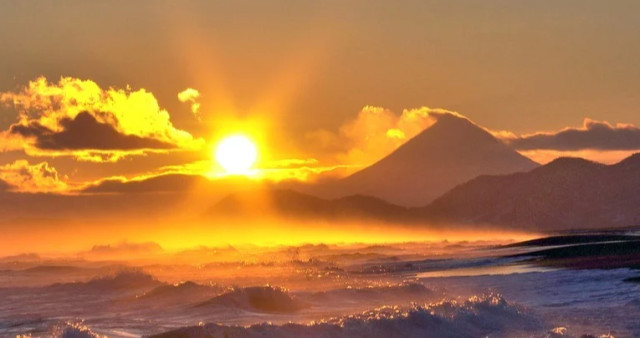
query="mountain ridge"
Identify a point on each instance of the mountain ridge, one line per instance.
(567, 193)
(451, 151)
(267, 202)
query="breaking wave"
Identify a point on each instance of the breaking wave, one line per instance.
(124, 280)
(183, 291)
(408, 291)
(478, 316)
(74, 330)
(267, 299)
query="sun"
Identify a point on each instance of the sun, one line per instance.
(236, 154)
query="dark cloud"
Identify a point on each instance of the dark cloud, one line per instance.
(4, 186)
(595, 135)
(84, 132)
(171, 184)
(162, 183)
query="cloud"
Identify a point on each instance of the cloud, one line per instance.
(160, 183)
(78, 118)
(84, 132)
(545, 156)
(190, 95)
(593, 135)
(307, 170)
(375, 133)
(4, 186)
(291, 163)
(197, 176)
(300, 169)
(307, 174)
(24, 177)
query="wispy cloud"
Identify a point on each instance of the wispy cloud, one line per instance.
(191, 96)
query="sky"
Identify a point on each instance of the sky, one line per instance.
(92, 90)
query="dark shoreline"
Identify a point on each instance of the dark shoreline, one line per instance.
(584, 251)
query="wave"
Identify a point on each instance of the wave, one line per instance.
(180, 292)
(413, 291)
(74, 330)
(267, 299)
(21, 258)
(478, 316)
(124, 280)
(51, 269)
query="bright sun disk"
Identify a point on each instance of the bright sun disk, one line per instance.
(236, 154)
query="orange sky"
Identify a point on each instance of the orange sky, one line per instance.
(318, 86)
(65, 129)
(114, 91)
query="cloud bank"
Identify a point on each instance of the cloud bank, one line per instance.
(593, 135)
(77, 118)
(84, 132)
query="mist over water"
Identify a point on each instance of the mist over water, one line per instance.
(424, 289)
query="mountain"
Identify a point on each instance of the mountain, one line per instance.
(567, 193)
(452, 151)
(288, 203)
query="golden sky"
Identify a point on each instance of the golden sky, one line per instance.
(128, 90)
(102, 103)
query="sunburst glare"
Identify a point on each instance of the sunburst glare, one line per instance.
(236, 154)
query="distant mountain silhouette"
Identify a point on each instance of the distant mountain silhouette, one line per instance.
(566, 193)
(289, 203)
(452, 151)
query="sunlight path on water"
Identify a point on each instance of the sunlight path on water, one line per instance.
(485, 270)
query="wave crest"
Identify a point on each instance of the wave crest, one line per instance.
(123, 280)
(266, 299)
(406, 291)
(75, 330)
(478, 316)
